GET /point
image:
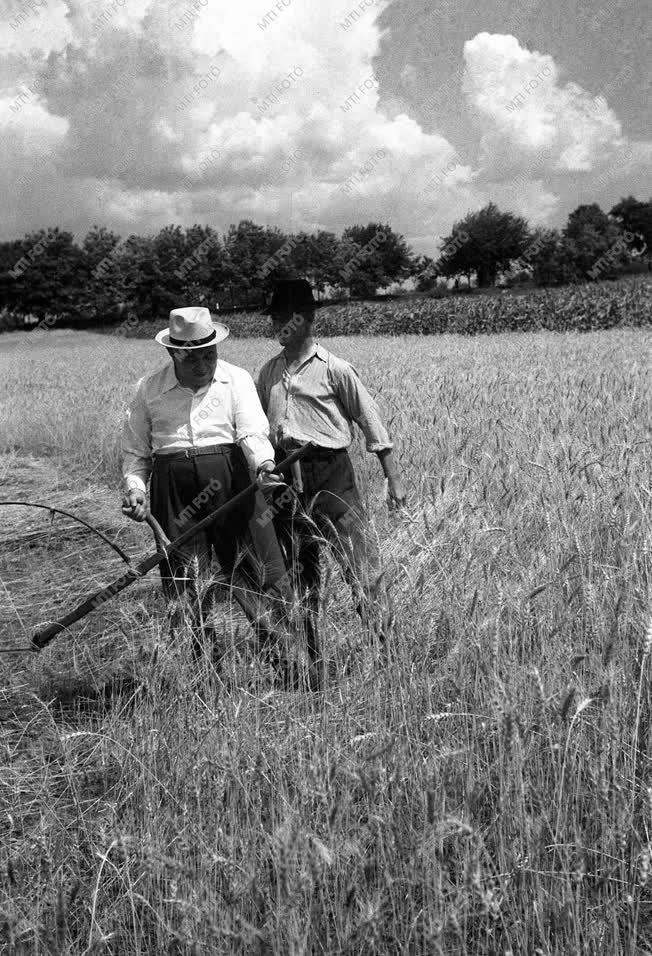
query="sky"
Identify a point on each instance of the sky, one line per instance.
(318, 114)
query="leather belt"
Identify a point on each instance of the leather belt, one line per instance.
(181, 453)
(315, 453)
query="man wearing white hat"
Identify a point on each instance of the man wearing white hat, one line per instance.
(196, 428)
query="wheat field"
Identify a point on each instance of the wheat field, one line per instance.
(486, 789)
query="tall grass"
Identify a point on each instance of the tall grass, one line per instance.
(486, 789)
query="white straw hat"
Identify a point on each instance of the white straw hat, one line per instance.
(191, 328)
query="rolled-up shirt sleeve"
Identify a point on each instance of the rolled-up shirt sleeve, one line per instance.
(136, 444)
(251, 425)
(361, 408)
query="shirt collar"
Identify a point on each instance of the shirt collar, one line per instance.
(170, 379)
(317, 351)
(221, 375)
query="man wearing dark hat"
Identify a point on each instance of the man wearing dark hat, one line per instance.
(196, 428)
(311, 395)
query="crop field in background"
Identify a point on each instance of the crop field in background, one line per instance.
(485, 790)
(571, 308)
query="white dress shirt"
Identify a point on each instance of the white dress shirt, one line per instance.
(165, 416)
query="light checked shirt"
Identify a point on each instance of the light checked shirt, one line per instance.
(318, 402)
(166, 416)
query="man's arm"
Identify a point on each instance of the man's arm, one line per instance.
(363, 410)
(261, 388)
(395, 485)
(251, 426)
(137, 457)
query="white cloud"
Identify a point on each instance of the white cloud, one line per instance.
(542, 141)
(524, 110)
(192, 112)
(33, 25)
(157, 111)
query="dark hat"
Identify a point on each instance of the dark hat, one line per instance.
(291, 295)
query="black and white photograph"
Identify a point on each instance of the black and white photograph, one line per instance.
(325, 478)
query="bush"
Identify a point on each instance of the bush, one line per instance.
(9, 321)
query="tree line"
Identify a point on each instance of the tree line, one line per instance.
(106, 278)
(592, 245)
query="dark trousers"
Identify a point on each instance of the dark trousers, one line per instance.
(182, 492)
(328, 509)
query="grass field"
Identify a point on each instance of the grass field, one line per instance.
(487, 790)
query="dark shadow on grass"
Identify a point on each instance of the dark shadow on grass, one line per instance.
(72, 701)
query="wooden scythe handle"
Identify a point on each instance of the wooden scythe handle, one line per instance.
(41, 638)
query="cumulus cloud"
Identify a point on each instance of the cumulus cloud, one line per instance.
(30, 25)
(165, 111)
(541, 138)
(526, 113)
(136, 113)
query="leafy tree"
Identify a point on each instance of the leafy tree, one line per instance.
(102, 289)
(143, 285)
(375, 256)
(175, 268)
(318, 258)
(426, 273)
(483, 242)
(204, 266)
(99, 244)
(546, 255)
(170, 248)
(254, 257)
(47, 275)
(10, 253)
(589, 236)
(635, 217)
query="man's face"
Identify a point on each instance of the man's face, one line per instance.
(195, 366)
(290, 328)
